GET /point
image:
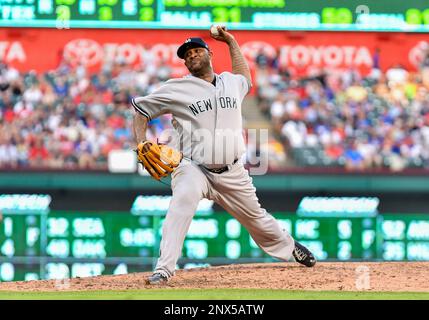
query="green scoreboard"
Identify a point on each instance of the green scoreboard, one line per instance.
(332, 15)
(62, 244)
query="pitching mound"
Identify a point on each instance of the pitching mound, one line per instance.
(348, 276)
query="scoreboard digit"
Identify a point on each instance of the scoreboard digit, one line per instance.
(405, 237)
(20, 242)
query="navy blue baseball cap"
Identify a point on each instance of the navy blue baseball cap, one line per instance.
(189, 44)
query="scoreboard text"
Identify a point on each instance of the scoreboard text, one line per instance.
(58, 245)
(333, 15)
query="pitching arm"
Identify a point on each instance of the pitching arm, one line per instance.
(239, 63)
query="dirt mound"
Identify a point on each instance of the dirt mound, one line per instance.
(347, 276)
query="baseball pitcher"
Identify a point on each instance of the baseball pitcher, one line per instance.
(204, 161)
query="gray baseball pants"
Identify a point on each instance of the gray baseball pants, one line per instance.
(234, 191)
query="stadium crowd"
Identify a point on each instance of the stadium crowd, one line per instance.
(343, 118)
(70, 119)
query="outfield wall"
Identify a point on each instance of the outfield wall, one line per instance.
(399, 193)
(324, 181)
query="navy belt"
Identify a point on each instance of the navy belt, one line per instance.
(221, 170)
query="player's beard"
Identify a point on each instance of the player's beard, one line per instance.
(200, 67)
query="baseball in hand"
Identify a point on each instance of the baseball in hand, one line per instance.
(213, 29)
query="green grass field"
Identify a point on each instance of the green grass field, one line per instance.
(213, 294)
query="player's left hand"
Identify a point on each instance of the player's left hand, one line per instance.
(223, 35)
(158, 159)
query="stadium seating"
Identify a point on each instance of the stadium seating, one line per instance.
(69, 119)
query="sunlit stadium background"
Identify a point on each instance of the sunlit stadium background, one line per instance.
(343, 87)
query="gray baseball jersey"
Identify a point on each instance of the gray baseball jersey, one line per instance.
(209, 122)
(207, 118)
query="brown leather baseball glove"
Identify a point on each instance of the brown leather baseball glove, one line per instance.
(158, 159)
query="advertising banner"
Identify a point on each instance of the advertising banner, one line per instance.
(43, 49)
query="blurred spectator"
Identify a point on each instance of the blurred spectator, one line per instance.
(70, 119)
(397, 74)
(376, 59)
(424, 66)
(38, 154)
(354, 159)
(334, 150)
(262, 60)
(359, 122)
